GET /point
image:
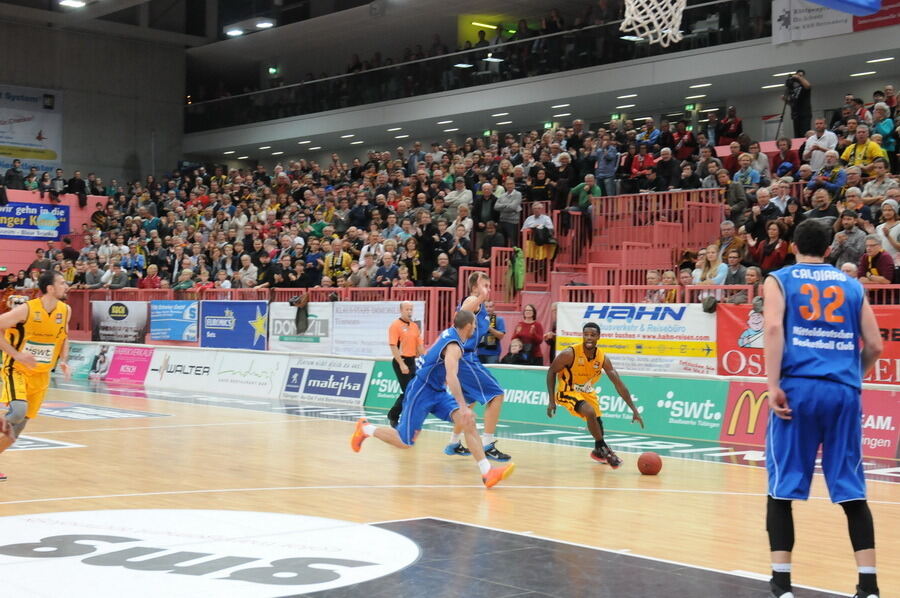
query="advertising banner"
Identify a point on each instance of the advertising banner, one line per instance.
(119, 321)
(645, 337)
(31, 126)
(747, 415)
(739, 333)
(33, 221)
(283, 329)
(249, 374)
(185, 369)
(361, 327)
(383, 386)
(794, 20)
(234, 324)
(173, 320)
(81, 359)
(129, 365)
(329, 380)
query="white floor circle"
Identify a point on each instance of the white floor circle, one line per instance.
(189, 553)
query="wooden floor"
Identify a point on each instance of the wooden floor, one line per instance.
(204, 457)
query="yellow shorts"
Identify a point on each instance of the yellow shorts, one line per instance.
(25, 387)
(570, 400)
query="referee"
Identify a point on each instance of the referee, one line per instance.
(405, 341)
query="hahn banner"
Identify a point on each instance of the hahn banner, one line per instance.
(119, 321)
(234, 324)
(31, 124)
(739, 335)
(645, 337)
(33, 222)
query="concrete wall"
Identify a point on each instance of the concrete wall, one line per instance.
(123, 99)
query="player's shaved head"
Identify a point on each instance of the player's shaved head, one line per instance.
(463, 318)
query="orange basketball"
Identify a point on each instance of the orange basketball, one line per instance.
(649, 463)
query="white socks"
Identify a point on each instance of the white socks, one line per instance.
(487, 439)
(484, 466)
(454, 438)
(781, 567)
(866, 570)
(369, 430)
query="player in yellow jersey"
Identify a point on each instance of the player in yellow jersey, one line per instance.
(570, 383)
(33, 339)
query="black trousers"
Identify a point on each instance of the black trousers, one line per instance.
(403, 379)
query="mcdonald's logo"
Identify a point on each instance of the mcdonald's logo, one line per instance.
(755, 405)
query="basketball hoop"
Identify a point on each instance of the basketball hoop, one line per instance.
(657, 21)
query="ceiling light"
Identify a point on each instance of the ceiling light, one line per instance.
(885, 59)
(463, 65)
(561, 106)
(229, 152)
(642, 118)
(709, 110)
(773, 86)
(242, 157)
(303, 142)
(505, 122)
(265, 23)
(863, 74)
(783, 74)
(699, 85)
(632, 38)
(277, 153)
(560, 115)
(356, 142)
(675, 114)
(266, 147)
(400, 136)
(450, 130)
(491, 58)
(392, 129)
(72, 3)
(444, 122)
(702, 95)
(233, 32)
(485, 25)
(625, 97)
(705, 120)
(317, 147)
(500, 114)
(623, 106)
(348, 136)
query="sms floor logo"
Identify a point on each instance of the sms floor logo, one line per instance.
(189, 553)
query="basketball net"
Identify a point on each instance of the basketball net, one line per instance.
(657, 21)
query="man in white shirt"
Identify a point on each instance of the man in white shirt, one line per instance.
(457, 197)
(538, 218)
(818, 144)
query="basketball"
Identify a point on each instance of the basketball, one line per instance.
(649, 463)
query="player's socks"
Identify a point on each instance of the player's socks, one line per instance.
(868, 582)
(369, 430)
(781, 578)
(455, 438)
(487, 439)
(485, 466)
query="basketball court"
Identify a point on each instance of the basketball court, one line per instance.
(97, 489)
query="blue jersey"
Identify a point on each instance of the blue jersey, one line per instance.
(821, 323)
(482, 323)
(432, 372)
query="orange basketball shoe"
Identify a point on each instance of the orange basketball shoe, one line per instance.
(497, 474)
(358, 435)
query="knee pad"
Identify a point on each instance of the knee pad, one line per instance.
(16, 412)
(860, 524)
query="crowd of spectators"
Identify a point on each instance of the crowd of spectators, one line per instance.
(415, 215)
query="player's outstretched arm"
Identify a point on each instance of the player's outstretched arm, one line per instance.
(561, 362)
(873, 345)
(10, 319)
(622, 390)
(773, 346)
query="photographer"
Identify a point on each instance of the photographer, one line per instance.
(798, 93)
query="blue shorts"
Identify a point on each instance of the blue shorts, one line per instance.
(478, 384)
(824, 413)
(418, 402)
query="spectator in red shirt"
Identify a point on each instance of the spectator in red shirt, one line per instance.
(730, 162)
(876, 265)
(785, 154)
(151, 280)
(685, 144)
(531, 333)
(730, 128)
(771, 254)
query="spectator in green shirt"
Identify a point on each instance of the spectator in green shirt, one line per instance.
(583, 193)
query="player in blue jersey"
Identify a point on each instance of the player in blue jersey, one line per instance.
(478, 384)
(436, 390)
(815, 318)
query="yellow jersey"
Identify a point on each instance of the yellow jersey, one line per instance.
(42, 334)
(583, 374)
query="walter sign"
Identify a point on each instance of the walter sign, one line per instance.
(190, 553)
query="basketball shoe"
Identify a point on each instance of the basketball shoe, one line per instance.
(497, 474)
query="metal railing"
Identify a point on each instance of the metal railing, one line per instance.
(518, 58)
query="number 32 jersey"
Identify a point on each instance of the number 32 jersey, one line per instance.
(821, 323)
